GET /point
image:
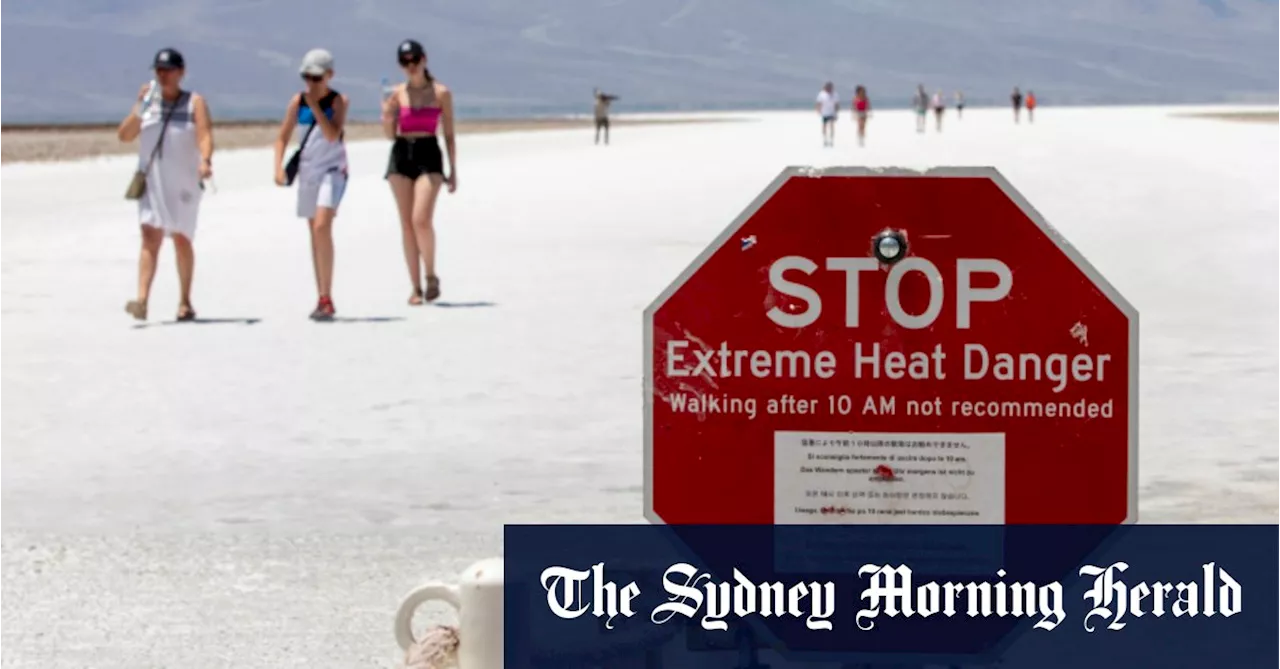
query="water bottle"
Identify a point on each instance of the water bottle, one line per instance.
(151, 94)
(387, 89)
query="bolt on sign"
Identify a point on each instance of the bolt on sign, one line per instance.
(891, 346)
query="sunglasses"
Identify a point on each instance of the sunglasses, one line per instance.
(410, 60)
(313, 78)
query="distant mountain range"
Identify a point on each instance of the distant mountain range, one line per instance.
(81, 60)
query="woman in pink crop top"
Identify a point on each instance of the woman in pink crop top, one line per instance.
(861, 109)
(411, 117)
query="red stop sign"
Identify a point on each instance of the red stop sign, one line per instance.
(985, 373)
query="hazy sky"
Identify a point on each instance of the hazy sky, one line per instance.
(514, 57)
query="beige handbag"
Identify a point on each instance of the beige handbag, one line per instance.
(138, 186)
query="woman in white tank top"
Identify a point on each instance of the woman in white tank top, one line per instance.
(176, 153)
(318, 115)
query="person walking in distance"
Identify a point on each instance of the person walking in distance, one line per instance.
(319, 168)
(175, 155)
(828, 107)
(1031, 107)
(959, 105)
(861, 109)
(411, 116)
(1016, 99)
(921, 104)
(602, 102)
(939, 106)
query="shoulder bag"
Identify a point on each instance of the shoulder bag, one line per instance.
(291, 167)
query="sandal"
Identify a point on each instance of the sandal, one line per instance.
(433, 288)
(186, 313)
(137, 309)
(415, 300)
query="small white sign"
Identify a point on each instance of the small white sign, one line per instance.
(860, 478)
(864, 478)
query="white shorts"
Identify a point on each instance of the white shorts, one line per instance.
(325, 191)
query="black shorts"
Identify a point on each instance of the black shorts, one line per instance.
(602, 122)
(413, 157)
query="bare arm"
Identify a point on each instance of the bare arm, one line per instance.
(390, 110)
(204, 129)
(446, 120)
(286, 130)
(331, 128)
(131, 126)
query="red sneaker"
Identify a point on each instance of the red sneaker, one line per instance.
(324, 310)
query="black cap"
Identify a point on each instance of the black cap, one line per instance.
(410, 48)
(168, 59)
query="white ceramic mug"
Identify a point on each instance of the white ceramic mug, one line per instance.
(477, 598)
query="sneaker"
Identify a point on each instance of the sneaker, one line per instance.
(324, 310)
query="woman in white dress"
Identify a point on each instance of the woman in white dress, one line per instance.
(176, 154)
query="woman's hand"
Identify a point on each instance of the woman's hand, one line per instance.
(142, 92)
(206, 169)
(390, 106)
(452, 181)
(281, 178)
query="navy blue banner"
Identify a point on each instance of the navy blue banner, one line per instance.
(789, 596)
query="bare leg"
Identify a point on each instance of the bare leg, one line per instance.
(186, 256)
(322, 249)
(152, 239)
(402, 188)
(425, 191)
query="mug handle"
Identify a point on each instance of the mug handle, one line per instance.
(421, 595)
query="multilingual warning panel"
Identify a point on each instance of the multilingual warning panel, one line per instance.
(890, 347)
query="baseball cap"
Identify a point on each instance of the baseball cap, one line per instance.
(410, 49)
(168, 59)
(317, 61)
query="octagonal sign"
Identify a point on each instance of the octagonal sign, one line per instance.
(891, 346)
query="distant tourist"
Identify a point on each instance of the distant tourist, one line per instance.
(602, 100)
(861, 108)
(1016, 99)
(175, 155)
(412, 116)
(939, 106)
(921, 104)
(1031, 107)
(319, 166)
(959, 105)
(828, 107)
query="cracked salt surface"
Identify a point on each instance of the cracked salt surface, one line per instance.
(261, 495)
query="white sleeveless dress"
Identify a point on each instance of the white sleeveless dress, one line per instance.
(172, 200)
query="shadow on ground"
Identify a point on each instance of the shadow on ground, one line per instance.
(363, 319)
(202, 321)
(463, 305)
